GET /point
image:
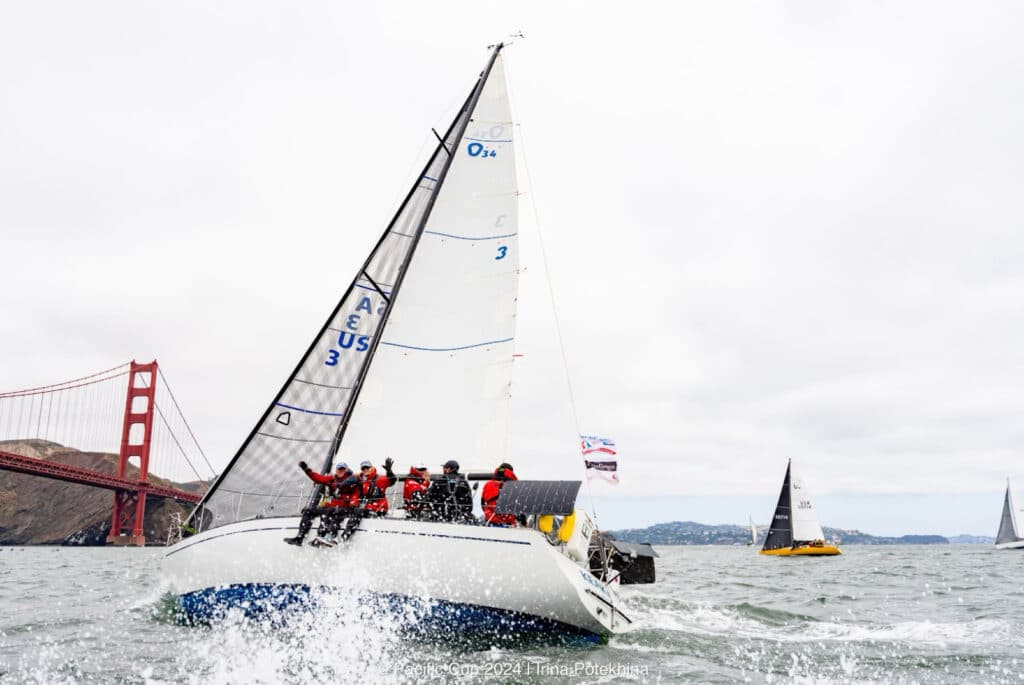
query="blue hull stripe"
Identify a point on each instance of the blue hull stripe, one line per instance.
(433, 618)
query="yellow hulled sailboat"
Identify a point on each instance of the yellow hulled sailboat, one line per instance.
(795, 530)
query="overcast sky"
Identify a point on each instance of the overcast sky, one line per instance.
(774, 229)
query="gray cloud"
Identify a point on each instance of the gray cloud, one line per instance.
(779, 231)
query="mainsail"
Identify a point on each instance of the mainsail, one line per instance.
(421, 375)
(780, 533)
(1008, 531)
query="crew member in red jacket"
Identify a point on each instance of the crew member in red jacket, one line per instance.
(489, 497)
(416, 484)
(343, 491)
(373, 487)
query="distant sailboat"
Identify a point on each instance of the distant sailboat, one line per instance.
(1008, 536)
(753, 532)
(795, 530)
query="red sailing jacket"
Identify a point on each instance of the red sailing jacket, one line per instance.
(372, 488)
(412, 492)
(489, 500)
(343, 495)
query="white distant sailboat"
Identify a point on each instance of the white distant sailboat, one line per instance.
(753, 532)
(1009, 536)
(415, 362)
(795, 530)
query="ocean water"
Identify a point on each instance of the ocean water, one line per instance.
(913, 614)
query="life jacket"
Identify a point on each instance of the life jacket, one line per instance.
(341, 495)
(413, 490)
(373, 488)
(344, 495)
(450, 498)
(489, 499)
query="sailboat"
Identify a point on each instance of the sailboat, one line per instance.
(795, 530)
(753, 532)
(1009, 536)
(414, 362)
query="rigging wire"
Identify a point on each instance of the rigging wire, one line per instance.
(187, 426)
(41, 388)
(551, 291)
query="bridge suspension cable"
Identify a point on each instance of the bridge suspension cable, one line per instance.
(82, 412)
(86, 414)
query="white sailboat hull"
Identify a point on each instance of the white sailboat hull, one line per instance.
(468, 578)
(1016, 544)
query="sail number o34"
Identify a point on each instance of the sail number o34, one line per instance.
(478, 150)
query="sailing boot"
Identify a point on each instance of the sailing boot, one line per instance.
(351, 525)
(304, 525)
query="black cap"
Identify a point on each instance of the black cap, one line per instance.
(504, 465)
(451, 464)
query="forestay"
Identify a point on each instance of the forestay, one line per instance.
(434, 309)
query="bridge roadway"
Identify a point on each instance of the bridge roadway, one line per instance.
(73, 474)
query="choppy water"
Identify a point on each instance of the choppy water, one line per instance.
(717, 614)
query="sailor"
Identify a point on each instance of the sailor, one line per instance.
(450, 499)
(373, 487)
(416, 484)
(344, 497)
(489, 496)
(371, 498)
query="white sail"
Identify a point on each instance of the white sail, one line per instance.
(457, 314)
(438, 386)
(805, 522)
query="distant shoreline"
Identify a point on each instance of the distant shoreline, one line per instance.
(683, 533)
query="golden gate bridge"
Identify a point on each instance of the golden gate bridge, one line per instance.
(123, 411)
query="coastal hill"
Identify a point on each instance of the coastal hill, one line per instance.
(43, 511)
(692, 533)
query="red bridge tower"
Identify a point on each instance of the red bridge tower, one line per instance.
(130, 506)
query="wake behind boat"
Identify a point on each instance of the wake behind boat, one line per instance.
(795, 530)
(414, 362)
(1009, 536)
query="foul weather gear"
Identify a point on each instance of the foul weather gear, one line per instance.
(372, 489)
(449, 499)
(413, 491)
(489, 497)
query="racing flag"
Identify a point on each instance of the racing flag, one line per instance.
(599, 458)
